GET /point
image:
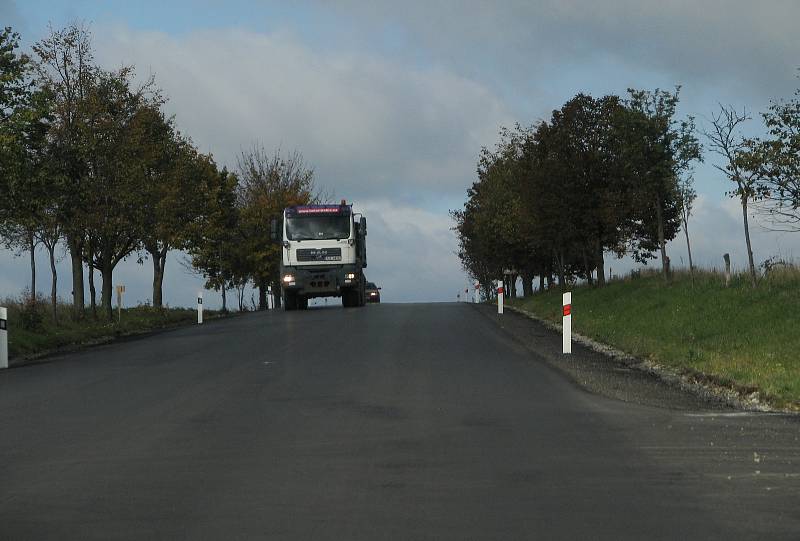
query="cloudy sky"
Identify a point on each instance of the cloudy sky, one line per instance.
(391, 102)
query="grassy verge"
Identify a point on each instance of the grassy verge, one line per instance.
(31, 330)
(738, 335)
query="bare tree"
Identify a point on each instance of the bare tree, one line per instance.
(687, 196)
(726, 140)
(268, 183)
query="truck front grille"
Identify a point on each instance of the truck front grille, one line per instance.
(319, 254)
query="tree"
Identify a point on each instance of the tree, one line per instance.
(726, 140)
(687, 195)
(600, 176)
(114, 144)
(49, 235)
(65, 71)
(600, 200)
(658, 149)
(267, 185)
(776, 162)
(173, 177)
(215, 245)
(24, 120)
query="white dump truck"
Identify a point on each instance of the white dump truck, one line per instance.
(324, 253)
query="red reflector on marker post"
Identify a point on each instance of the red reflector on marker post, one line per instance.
(566, 323)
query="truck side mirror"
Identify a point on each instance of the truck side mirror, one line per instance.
(364, 226)
(273, 229)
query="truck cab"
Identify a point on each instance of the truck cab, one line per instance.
(323, 254)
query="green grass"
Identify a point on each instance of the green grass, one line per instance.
(737, 335)
(48, 336)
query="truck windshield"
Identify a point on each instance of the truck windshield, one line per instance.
(318, 227)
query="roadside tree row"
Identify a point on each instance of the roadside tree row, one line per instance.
(614, 176)
(89, 161)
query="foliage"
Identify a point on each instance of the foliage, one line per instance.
(268, 183)
(30, 313)
(776, 163)
(599, 177)
(89, 158)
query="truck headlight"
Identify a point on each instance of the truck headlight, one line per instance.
(350, 276)
(288, 278)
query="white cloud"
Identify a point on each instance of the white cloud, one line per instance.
(748, 44)
(371, 127)
(411, 252)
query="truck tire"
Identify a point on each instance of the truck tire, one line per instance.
(362, 293)
(290, 301)
(350, 298)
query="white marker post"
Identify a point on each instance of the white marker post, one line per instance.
(566, 323)
(499, 296)
(120, 293)
(3, 338)
(270, 299)
(199, 307)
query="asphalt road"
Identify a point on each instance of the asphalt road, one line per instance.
(388, 422)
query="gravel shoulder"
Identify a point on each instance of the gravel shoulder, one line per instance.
(608, 372)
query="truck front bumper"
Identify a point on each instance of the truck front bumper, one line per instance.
(320, 281)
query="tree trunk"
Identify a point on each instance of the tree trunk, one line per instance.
(587, 267)
(32, 248)
(541, 283)
(688, 249)
(107, 273)
(262, 295)
(54, 285)
(158, 277)
(662, 244)
(527, 284)
(727, 259)
(224, 299)
(75, 252)
(159, 258)
(92, 289)
(561, 272)
(749, 247)
(601, 265)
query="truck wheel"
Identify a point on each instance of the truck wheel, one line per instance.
(290, 301)
(362, 294)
